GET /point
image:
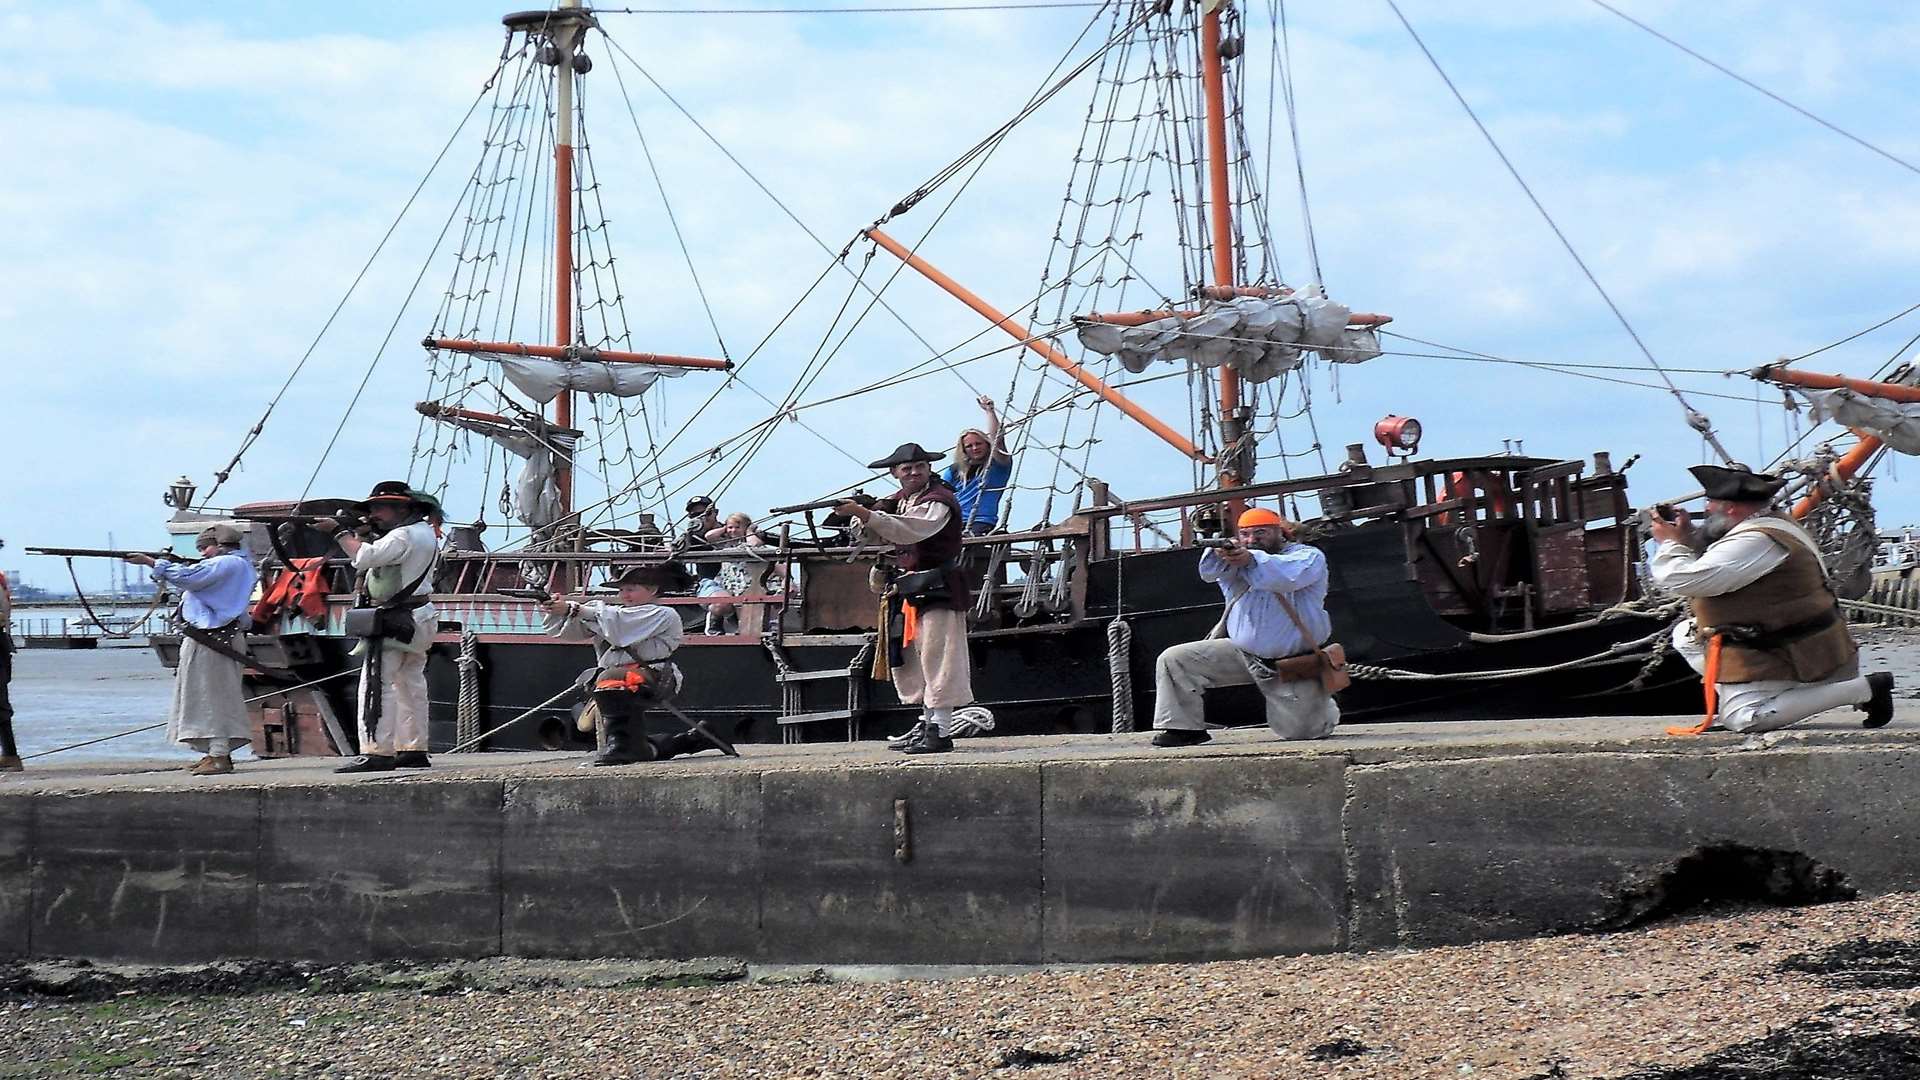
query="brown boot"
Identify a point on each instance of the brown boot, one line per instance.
(212, 766)
(10, 763)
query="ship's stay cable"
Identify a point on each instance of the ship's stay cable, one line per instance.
(253, 434)
(817, 365)
(1284, 56)
(1757, 88)
(888, 10)
(1858, 334)
(381, 352)
(1695, 419)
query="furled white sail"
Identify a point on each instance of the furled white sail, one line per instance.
(543, 380)
(1260, 337)
(536, 494)
(1896, 422)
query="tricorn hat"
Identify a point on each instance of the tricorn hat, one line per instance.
(1737, 483)
(653, 577)
(907, 454)
(699, 504)
(397, 491)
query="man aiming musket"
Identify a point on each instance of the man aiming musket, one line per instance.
(209, 710)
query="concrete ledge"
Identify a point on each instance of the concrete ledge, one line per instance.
(621, 863)
(1074, 849)
(377, 870)
(146, 875)
(1209, 858)
(834, 887)
(1457, 851)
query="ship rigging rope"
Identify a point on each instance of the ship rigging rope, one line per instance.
(246, 443)
(1618, 652)
(1695, 419)
(1283, 59)
(1751, 85)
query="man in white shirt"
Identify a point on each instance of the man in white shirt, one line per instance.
(1260, 576)
(1766, 632)
(398, 565)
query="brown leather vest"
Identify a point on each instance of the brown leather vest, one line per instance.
(1791, 594)
(943, 546)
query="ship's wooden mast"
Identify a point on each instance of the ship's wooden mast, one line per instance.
(565, 38)
(1235, 460)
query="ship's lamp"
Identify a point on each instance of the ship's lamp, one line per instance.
(180, 494)
(1399, 434)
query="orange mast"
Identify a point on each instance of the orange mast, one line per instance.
(1220, 220)
(1046, 351)
(565, 35)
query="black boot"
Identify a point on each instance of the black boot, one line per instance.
(367, 763)
(412, 759)
(931, 742)
(1880, 706)
(622, 747)
(1180, 737)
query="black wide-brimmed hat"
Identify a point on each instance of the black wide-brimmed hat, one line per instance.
(1737, 483)
(396, 492)
(653, 577)
(907, 454)
(699, 504)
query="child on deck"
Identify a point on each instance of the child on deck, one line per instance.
(634, 639)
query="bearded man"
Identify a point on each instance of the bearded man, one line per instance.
(1766, 633)
(923, 521)
(1276, 594)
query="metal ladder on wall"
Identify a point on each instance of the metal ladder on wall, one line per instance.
(794, 711)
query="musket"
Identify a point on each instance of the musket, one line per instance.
(106, 553)
(860, 497)
(526, 594)
(1216, 542)
(348, 519)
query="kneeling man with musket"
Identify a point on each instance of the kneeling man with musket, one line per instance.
(1766, 635)
(634, 640)
(1277, 638)
(209, 711)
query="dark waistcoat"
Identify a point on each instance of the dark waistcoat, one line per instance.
(1790, 594)
(942, 547)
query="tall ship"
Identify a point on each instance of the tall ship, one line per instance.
(1155, 322)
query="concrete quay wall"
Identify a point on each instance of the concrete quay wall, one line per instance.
(1018, 852)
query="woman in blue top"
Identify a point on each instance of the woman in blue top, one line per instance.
(979, 474)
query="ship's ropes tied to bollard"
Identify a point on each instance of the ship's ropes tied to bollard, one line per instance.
(467, 716)
(1120, 671)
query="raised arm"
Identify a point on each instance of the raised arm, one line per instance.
(1733, 563)
(993, 430)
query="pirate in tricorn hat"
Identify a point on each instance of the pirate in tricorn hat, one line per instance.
(924, 523)
(398, 561)
(1766, 633)
(633, 640)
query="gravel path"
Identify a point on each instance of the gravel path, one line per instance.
(1681, 1001)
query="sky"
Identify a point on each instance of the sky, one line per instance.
(190, 190)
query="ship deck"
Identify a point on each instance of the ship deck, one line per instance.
(1028, 850)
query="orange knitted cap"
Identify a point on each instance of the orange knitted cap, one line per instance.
(1259, 515)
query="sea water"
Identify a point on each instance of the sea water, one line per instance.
(67, 696)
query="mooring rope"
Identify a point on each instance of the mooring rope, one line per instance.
(163, 723)
(477, 739)
(1613, 654)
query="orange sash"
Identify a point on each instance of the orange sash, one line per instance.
(1711, 683)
